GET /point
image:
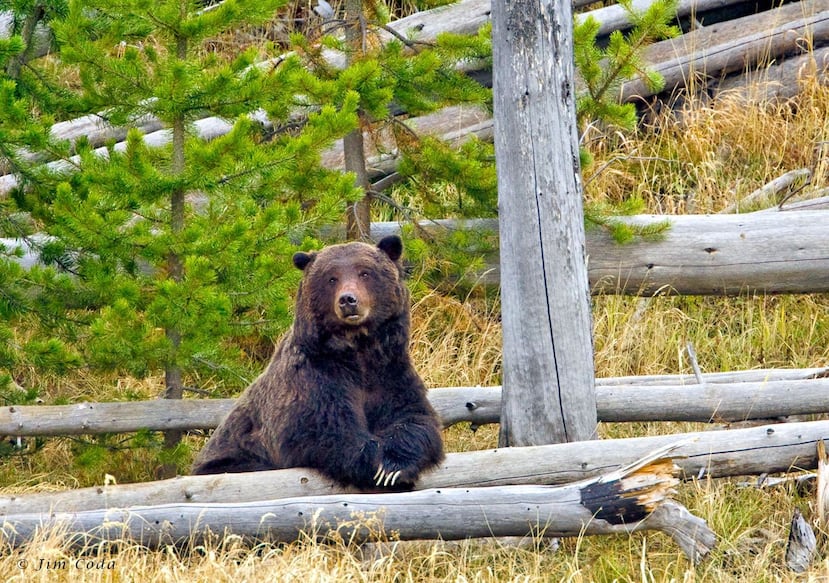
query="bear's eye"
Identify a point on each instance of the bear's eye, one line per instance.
(332, 280)
(364, 274)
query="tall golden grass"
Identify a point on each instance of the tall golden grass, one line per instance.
(701, 161)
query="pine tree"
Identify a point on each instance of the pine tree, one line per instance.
(21, 133)
(170, 258)
(177, 250)
(604, 70)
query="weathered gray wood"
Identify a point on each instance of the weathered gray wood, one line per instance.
(713, 403)
(784, 252)
(615, 17)
(822, 494)
(778, 81)
(740, 376)
(813, 204)
(113, 417)
(802, 544)
(701, 254)
(549, 393)
(619, 502)
(735, 45)
(772, 191)
(719, 254)
(736, 452)
(765, 252)
(710, 402)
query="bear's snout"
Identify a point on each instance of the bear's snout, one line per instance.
(350, 309)
(348, 300)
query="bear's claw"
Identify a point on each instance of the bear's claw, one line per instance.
(390, 477)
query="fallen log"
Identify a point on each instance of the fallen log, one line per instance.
(616, 17)
(736, 452)
(714, 403)
(738, 376)
(816, 203)
(771, 191)
(735, 45)
(698, 255)
(706, 403)
(778, 81)
(718, 254)
(631, 499)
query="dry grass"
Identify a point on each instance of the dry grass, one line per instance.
(717, 154)
(708, 157)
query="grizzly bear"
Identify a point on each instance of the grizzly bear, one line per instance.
(340, 394)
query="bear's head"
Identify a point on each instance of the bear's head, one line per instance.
(351, 289)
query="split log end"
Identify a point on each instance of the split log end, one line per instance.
(638, 498)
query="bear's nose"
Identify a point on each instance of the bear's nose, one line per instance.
(348, 299)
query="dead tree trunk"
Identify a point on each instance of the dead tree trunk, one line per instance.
(549, 393)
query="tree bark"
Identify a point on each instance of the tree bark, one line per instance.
(28, 30)
(358, 213)
(548, 394)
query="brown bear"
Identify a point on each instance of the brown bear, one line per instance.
(340, 393)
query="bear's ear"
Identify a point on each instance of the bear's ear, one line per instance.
(391, 246)
(301, 260)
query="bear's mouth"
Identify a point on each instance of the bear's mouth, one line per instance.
(352, 316)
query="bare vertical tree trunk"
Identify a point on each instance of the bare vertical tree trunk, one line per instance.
(358, 214)
(174, 386)
(548, 381)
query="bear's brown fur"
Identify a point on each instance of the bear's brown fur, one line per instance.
(340, 394)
